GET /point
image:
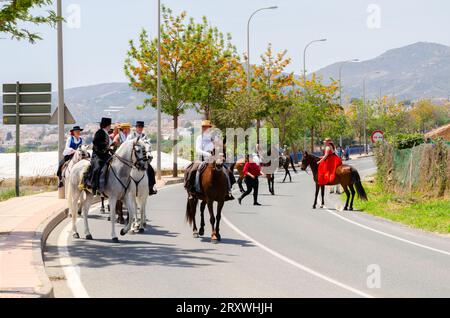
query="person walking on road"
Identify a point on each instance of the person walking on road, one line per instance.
(252, 171)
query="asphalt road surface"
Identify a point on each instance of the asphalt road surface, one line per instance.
(282, 249)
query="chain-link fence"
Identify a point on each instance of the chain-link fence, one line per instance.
(424, 168)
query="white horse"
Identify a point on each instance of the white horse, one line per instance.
(130, 154)
(138, 191)
(81, 153)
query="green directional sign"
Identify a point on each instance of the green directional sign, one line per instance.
(27, 120)
(27, 88)
(27, 109)
(26, 104)
(27, 98)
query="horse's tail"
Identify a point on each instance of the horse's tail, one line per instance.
(356, 180)
(191, 209)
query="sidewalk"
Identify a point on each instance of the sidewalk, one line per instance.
(25, 223)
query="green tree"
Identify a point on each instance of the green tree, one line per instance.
(178, 67)
(15, 12)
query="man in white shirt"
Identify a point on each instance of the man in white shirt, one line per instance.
(139, 133)
(204, 147)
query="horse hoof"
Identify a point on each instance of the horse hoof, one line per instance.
(89, 237)
(214, 241)
(314, 207)
(141, 231)
(115, 240)
(122, 232)
(201, 232)
(145, 224)
(219, 237)
(76, 235)
(345, 209)
(195, 235)
(109, 219)
(351, 209)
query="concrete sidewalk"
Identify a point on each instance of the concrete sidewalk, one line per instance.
(25, 223)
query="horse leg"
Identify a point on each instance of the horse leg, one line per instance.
(86, 204)
(74, 196)
(143, 210)
(119, 209)
(212, 220)
(102, 209)
(192, 207)
(347, 194)
(218, 217)
(322, 192)
(316, 195)
(272, 180)
(285, 175)
(289, 174)
(202, 220)
(239, 182)
(352, 189)
(112, 216)
(130, 203)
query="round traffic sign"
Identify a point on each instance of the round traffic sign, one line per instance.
(377, 136)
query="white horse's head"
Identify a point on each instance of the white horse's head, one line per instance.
(82, 153)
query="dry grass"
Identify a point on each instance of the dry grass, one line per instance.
(28, 186)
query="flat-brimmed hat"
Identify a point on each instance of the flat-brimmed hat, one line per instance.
(105, 122)
(140, 124)
(328, 140)
(76, 128)
(206, 123)
(125, 125)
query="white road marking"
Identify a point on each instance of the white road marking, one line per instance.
(71, 272)
(294, 263)
(387, 234)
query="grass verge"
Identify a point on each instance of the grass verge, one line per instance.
(414, 210)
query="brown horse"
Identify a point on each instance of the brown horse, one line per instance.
(240, 168)
(347, 176)
(214, 186)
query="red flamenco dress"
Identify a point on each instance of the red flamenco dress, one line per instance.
(327, 169)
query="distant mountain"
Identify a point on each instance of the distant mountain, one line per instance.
(88, 104)
(420, 70)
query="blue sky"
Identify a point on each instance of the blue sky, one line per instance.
(94, 53)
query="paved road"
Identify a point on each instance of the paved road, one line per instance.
(282, 249)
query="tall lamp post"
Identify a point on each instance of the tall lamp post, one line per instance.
(304, 81)
(364, 110)
(340, 87)
(158, 96)
(61, 192)
(249, 76)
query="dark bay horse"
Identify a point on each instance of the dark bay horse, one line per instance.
(240, 169)
(347, 176)
(214, 186)
(285, 161)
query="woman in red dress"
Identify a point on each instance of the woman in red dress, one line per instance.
(328, 164)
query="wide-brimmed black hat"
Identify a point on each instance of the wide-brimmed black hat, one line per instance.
(140, 124)
(76, 128)
(105, 122)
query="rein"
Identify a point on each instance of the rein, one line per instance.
(130, 164)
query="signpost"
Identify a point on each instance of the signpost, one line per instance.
(377, 136)
(26, 104)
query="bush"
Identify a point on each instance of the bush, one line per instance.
(407, 141)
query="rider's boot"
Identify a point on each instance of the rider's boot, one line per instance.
(152, 191)
(229, 197)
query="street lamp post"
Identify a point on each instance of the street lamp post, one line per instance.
(304, 81)
(61, 192)
(340, 88)
(158, 96)
(249, 76)
(364, 112)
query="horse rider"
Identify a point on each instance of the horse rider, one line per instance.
(122, 136)
(204, 147)
(100, 156)
(330, 160)
(72, 143)
(139, 133)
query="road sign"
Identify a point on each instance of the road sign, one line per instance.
(377, 136)
(68, 118)
(27, 109)
(28, 104)
(27, 120)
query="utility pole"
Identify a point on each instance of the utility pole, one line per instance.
(158, 142)
(61, 106)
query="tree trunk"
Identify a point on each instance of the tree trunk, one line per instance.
(312, 139)
(175, 146)
(295, 151)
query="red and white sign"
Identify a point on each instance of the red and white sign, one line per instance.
(377, 136)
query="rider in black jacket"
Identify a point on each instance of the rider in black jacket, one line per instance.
(100, 155)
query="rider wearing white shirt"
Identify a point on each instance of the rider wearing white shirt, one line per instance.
(139, 133)
(73, 142)
(204, 147)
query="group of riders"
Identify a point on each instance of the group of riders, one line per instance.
(107, 140)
